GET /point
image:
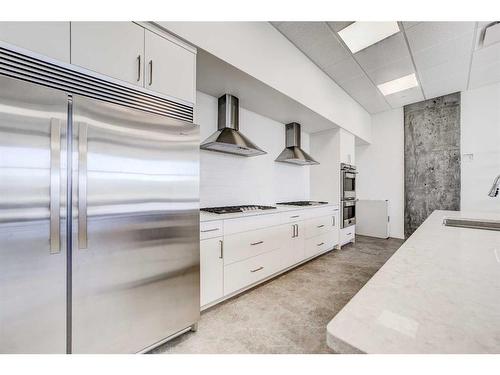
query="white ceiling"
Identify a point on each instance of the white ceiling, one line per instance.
(446, 56)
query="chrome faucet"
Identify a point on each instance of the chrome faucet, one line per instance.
(494, 189)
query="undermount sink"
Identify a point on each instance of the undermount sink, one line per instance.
(472, 223)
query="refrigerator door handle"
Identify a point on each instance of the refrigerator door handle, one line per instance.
(55, 186)
(82, 185)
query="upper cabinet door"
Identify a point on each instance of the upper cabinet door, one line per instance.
(170, 68)
(46, 38)
(115, 49)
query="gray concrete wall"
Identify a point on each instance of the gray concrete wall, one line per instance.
(432, 158)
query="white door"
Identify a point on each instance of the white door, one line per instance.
(170, 68)
(211, 270)
(115, 49)
(46, 38)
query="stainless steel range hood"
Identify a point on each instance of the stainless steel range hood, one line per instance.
(293, 153)
(227, 138)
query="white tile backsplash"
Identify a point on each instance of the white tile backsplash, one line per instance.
(232, 180)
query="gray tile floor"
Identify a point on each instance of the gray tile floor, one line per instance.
(288, 314)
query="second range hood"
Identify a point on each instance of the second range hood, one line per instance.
(227, 138)
(292, 153)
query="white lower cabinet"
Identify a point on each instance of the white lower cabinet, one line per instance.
(260, 246)
(295, 253)
(318, 244)
(249, 271)
(347, 234)
(211, 270)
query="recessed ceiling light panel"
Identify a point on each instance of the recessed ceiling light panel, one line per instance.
(359, 35)
(399, 84)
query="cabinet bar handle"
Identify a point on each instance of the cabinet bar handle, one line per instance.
(293, 217)
(321, 226)
(221, 249)
(293, 231)
(333, 221)
(322, 243)
(257, 269)
(209, 230)
(82, 185)
(138, 68)
(55, 186)
(297, 226)
(150, 72)
(256, 243)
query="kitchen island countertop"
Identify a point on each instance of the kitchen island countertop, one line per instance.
(439, 293)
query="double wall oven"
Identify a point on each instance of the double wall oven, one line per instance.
(348, 194)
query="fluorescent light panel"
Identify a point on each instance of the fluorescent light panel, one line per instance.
(359, 35)
(398, 84)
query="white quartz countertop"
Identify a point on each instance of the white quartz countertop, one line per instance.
(208, 216)
(439, 293)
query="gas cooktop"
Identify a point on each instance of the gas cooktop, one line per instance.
(234, 209)
(303, 203)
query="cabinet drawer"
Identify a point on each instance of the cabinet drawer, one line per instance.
(319, 244)
(315, 227)
(243, 224)
(242, 274)
(248, 244)
(211, 229)
(347, 234)
(293, 216)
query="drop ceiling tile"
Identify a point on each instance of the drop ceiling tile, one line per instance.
(363, 91)
(387, 60)
(402, 98)
(428, 34)
(458, 48)
(382, 53)
(445, 78)
(391, 71)
(409, 24)
(344, 70)
(339, 25)
(316, 40)
(485, 67)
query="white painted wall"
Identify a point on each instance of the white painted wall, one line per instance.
(233, 180)
(381, 167)
(261, 51)
(325, 177)
(480, 136)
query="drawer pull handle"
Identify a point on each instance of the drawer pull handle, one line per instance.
(322, 243)
(256, 243)
(209, 230)
(293, 217)
(321, 226)
(349, 234)
(257, 269)
(221, 256)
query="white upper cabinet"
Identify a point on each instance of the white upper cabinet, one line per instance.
(51, 39)
(115, 49)
(170, 68)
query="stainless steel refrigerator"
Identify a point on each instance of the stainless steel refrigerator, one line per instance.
(123, 274)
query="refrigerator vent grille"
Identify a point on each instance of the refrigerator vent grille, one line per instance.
(17, 65)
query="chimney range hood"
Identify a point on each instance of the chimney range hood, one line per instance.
(293, 153)
(227, 138)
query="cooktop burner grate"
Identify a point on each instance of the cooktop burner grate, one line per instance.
(303, 203)
(234, 209)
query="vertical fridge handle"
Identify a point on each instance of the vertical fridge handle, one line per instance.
(82, 185)
(55, 186)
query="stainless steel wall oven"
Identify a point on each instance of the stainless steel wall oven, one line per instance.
(348, 194)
